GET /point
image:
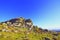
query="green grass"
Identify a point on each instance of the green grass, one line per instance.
(22, 34)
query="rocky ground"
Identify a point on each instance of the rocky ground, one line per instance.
(23, 29)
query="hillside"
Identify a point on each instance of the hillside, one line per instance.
(23, 29)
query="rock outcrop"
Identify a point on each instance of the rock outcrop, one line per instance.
(23, 29)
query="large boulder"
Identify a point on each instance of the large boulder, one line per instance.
(28, 22)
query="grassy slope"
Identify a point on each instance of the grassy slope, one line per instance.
(22, 34)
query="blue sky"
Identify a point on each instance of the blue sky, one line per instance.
(44, 13)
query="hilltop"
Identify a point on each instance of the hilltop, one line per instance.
(23, 29)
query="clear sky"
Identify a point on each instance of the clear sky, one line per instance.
(44, 13)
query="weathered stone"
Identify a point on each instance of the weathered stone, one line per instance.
(54, 39)
(3, 30)
(46, 38)
(28, 23)
(55, 34)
